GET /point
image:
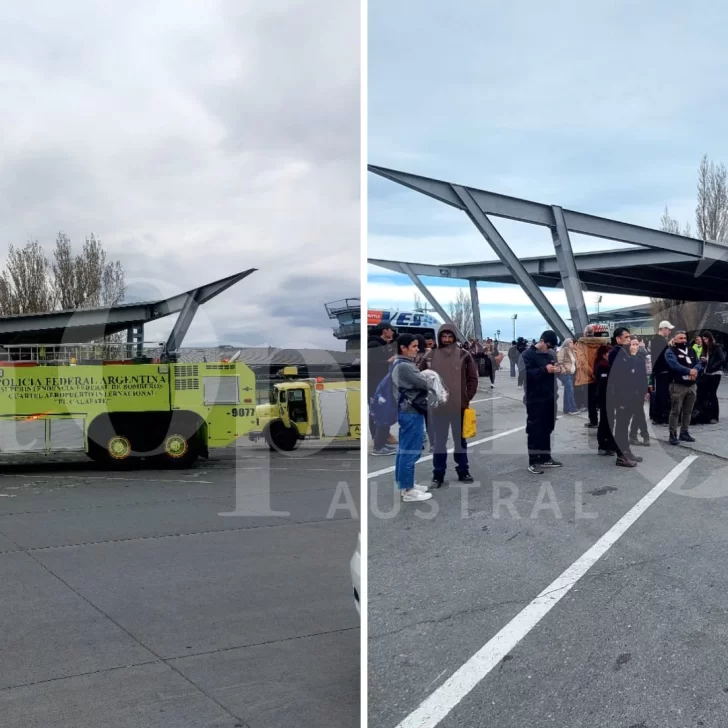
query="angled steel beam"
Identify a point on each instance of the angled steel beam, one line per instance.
(538, 213)
(475, 303)
(203, 294)
(594, 260)
(441, 191)
(511, 261)
(569, 274)
(192, 301)
(422, 288)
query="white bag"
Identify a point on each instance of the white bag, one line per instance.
(437, 393)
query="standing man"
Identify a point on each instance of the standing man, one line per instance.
(513, 355)
(683, 372)
(586, 355)
(381, 353)
(660, 405)
(538, 369)
(460, 375)
(621, 385)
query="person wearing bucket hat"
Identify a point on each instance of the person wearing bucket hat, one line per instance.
(660, 403)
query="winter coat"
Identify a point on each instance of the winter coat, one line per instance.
(586, 354)
(378, 355)
(409, 384)
(539, 385)
(716, 359)
(567, 358)
(456, 367)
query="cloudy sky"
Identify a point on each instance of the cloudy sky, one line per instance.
(605, 108)
(196, 140)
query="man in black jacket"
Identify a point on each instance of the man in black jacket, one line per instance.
(538, 366)
(621, 386)
(660, 401)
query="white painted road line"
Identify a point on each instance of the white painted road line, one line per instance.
(425, 458)
(489, 399)
(435, 708)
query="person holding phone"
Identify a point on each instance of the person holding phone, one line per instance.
(539, 369)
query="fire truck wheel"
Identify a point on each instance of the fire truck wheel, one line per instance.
(179, 451)
(282, 438)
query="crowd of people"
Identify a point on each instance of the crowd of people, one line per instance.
(614, 381)
(611, 381)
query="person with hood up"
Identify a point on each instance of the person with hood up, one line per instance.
(538, 367)
(459, 374)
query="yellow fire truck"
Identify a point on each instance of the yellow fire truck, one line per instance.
(116, 405)
(118, 412)
(309, 409)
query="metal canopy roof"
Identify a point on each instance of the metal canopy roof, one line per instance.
(664, 265)
(89, 324)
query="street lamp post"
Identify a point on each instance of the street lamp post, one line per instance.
(599, 300)
(513, 318)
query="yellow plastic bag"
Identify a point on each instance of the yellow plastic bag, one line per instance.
(470, 426)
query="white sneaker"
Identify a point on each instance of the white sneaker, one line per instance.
(414, 495)
(420, 488)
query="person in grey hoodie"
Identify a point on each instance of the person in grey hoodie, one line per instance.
(410, 388)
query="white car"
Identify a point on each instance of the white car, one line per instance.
(356, 573)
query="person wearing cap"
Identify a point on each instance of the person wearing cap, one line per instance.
(538, 367)
(660, 401)
(683, 371)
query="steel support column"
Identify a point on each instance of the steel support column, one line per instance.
(569, 272)
(422, 288)
(475, 302)
(511, 261)
(181, 326)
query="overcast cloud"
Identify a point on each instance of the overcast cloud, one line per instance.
(602, 108)
(196, 140)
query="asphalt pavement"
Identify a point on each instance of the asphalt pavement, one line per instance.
(639, 639)
(213, 597)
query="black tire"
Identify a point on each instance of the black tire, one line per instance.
(282, 438)
(180, 460)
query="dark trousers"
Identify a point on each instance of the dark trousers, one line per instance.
(605, 437)
(379, 434)
(639, 422)
(441, 424)
(592, 403)
(660, 403)
(707, 402)
(540, 421)
(513, 368)
(622, 416)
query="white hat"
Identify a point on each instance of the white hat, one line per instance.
(665, 325)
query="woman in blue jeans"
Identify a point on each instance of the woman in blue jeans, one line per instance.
(410, 388)
(567, 359)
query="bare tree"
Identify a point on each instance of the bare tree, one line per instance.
(711, 212)
(26, 285)
(711, 221)
(461, 313)
(88, 279)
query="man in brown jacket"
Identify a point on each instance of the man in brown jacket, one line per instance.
(586, 352)
(460, 375)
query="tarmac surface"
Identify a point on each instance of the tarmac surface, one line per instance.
(179, 599)
(640, 640)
